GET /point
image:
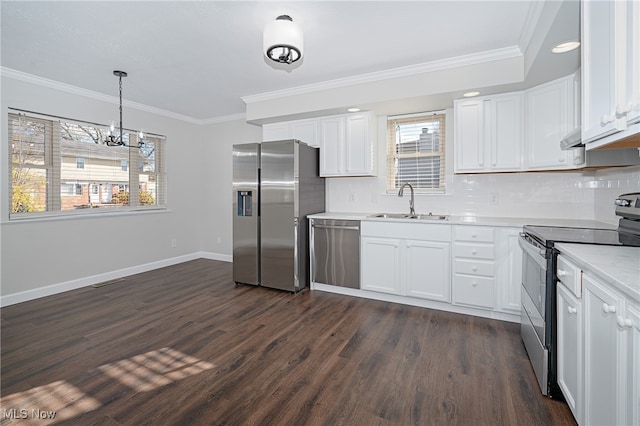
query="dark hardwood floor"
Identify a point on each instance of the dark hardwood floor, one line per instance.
(183, 345)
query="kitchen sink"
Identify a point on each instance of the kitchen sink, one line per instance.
(409, 216)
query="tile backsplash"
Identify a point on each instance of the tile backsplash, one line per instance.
(567, 195)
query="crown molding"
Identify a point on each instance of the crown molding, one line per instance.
(406, 71)
(52, 84)
(530, 22)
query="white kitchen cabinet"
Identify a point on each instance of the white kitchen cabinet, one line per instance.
(488, 133)
(380, 268)
(632, 390)
(569, 348)
(610, 69)
(474, 266)
(550, 116)
(427, 270)
(406, 259)
(302, 130)
(347, 145)
(508, 269)
(604, 352)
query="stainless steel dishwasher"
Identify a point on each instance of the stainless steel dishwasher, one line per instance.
(335, 252)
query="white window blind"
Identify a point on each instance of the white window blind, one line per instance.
(415, 152)
(46, 177)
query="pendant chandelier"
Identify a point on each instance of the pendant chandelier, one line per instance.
(283, 40)
(118, 140)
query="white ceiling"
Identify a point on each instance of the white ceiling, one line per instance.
(198, 59)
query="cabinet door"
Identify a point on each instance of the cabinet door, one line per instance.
(504, 132)
(358, 153)
(276, 132)
(427, 274)
(469, 135)
(332, 146)
(509, 269)
(569, 338)
(305, 131)
(632, 391)
(380, 267)
(549, 119)
(631, 56)
(603, 344)
(598, 69)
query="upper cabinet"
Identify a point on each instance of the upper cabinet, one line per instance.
(518, 131)
(551, 113)
(610, 71)
(346, 142)
(488, 133)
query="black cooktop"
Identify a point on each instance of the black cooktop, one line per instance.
(548, 235)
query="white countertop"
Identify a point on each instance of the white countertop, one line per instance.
(473, 220)
(617, 265)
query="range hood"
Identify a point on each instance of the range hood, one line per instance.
(572, 140)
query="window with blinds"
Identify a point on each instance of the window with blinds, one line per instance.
(63, 166)
(415, 152)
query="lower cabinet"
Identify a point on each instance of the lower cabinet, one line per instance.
(569, 357)
(409, 265)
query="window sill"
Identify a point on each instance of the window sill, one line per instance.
(73, 215)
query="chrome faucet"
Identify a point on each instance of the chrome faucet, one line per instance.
(412, 211)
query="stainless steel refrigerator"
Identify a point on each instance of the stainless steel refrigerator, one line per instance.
(275, 186)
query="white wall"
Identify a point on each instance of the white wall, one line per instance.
(610, 183)
(217, 223)
(50, 252)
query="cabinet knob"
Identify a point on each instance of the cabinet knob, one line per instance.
(474, 251)
(623, 109)
(624, 322)
(474, 283)
(562, 272)
(474, 268)
(572, 310)
(606, 119)
(474, 235)
(608, 309)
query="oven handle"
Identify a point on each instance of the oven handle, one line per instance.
(534, 250)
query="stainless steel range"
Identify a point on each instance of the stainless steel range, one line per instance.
(539, 281)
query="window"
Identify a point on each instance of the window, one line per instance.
(415, 152)
(59, 166)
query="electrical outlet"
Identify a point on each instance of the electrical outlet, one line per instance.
(174, 243)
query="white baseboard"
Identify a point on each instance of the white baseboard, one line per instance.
(36, 293)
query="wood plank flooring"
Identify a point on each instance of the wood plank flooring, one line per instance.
(182, 345)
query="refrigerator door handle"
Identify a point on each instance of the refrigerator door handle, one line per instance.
(295, 253)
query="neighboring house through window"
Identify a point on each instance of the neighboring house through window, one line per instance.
(60, 165)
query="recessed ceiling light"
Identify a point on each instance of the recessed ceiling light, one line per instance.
(566, 47)
(353, 109)
(471, 94)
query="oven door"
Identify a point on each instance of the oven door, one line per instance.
(532, 323)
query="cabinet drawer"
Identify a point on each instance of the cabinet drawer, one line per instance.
(472, 267)
(474, 291)
(473, 233)
(474, 251)
(570, 275)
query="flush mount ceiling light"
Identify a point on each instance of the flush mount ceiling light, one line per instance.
(282, 40)
(471, 94)
(353, 109)
(565, 47)
(118, 140)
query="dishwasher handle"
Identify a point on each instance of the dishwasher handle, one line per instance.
(351, 228)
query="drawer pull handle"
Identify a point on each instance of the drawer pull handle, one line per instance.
(608, 309)
(622, 322)
(572, 310)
